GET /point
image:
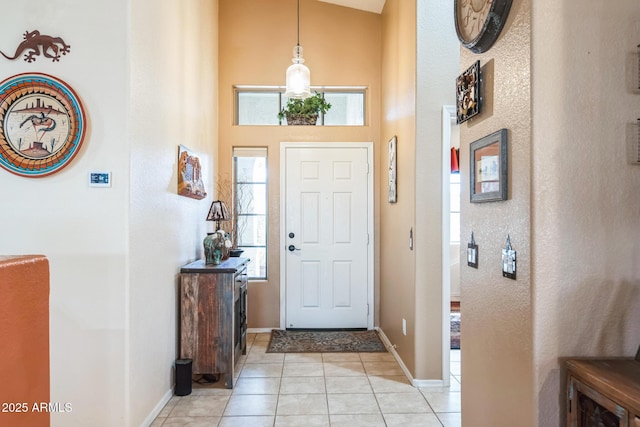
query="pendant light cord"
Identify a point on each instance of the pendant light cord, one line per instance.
(298, 22)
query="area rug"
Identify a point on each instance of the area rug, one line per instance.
(324, 342)
(455, 331)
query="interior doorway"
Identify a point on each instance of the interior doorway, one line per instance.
(450, 243)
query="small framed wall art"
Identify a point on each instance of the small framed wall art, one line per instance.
(468, 93)
(42, 125)
(190, 183)
(393, 196)
(488, 168)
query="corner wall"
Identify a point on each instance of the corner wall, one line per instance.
(585, 203)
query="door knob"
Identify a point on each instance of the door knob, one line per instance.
(293, 248)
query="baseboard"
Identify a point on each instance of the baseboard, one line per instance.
(259, 330)
(407, 373)
(395, 354)
(157, 409)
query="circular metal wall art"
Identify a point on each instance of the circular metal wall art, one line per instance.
(42, 125)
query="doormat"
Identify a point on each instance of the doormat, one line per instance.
(325, 342)
(455, 331)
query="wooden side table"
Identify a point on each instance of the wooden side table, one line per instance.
(603, 392)
(213, 316)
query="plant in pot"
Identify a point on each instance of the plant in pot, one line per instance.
(238, 201)
(304, 111)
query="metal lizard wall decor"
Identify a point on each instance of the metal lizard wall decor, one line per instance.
(35, 44)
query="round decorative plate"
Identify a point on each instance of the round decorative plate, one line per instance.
(42, 124)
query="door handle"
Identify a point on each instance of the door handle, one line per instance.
(293, 248)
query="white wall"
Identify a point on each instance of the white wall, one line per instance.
(585, 203)
(147, 85)
(82, 230)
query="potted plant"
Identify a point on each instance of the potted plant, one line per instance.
(304, 111)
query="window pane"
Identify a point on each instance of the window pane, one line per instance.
(252, 230)
(347, 109)
(252, 198)
(257, 268)
(261, 107)
(258, 108)
(454, 197)
(251, 169)
(454, 227)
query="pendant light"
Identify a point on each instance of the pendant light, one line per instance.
(298, 75)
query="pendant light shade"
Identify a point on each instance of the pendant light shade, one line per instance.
(298, 75)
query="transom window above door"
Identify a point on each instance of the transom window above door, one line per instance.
(260, 105)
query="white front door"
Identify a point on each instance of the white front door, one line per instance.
(326, 229)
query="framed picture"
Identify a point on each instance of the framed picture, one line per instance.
(42, 125)
(392, 170)
(190, 183)
(468, 93)
(488, 168)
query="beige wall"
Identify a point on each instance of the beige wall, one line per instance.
(397, 261)
(173, 71)
(497, 334)
(585, 200)
(341, 47)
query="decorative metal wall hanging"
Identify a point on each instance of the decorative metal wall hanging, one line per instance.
(393, 188)
(509, 261)
(36, 44)
(42, 124)
(472, 253)
(468, 93)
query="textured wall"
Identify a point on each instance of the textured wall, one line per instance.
(585, 203)
(497, 349)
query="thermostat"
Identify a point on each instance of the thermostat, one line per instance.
(99, 179)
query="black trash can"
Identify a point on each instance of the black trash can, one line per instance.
(183, 377)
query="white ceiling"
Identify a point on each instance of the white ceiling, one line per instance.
(368, 5)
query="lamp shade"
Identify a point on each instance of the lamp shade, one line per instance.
(218, 211)
(298, 77)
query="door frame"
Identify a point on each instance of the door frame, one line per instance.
(370, 217)
(448, 120)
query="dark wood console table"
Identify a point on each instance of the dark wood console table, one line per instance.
(213, 316)
(603, 392)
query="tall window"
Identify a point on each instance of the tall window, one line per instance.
(250, 198)
(454, 209)
(260, 105)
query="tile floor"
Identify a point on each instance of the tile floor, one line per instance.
(316, 389)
